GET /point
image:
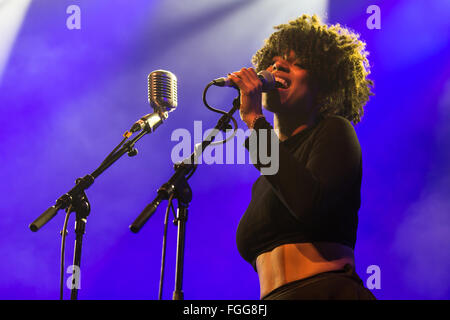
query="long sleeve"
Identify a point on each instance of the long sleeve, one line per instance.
(332, 169)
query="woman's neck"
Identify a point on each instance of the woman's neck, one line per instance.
(288, 125)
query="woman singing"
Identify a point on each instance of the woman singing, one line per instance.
(299, 230)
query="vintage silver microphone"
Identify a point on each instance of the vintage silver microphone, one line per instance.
(162, 96)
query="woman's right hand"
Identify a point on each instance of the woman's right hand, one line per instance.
(250, 87)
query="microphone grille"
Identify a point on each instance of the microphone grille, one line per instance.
(162, 90)
(268, 80)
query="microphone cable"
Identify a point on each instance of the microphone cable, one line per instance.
(221, 112)
(163, 255)
(205, 102)
(63, 246)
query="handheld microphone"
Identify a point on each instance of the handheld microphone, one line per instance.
(162, 96)
(267, 79)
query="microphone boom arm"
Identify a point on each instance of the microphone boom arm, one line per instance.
(83, 183)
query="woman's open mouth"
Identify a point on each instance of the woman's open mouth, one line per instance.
(283, 83)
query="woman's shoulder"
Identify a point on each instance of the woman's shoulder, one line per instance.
(334, 124)
(336, 120)
(335, 129)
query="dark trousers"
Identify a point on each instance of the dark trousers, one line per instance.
(342, 284)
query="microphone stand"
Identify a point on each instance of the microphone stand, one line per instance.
(82, 208)
(179, 187)
(80, 203)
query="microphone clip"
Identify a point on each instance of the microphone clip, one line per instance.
(150, 122)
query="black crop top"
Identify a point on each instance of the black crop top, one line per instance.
(314, 196)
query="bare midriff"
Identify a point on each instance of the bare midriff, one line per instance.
(290, 262)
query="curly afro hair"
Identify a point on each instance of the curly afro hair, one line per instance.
(334, 57)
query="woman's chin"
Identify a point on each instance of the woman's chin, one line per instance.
(272, 102)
